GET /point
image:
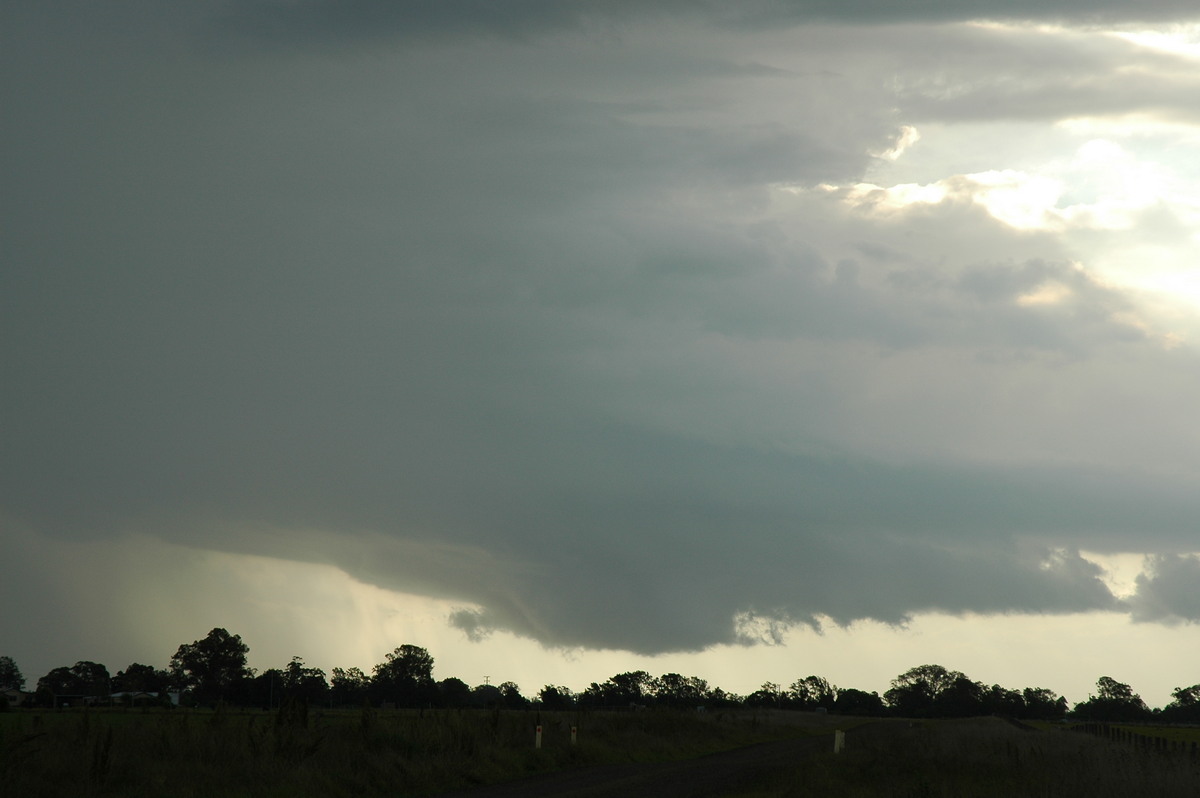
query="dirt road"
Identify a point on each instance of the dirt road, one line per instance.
(725, 773)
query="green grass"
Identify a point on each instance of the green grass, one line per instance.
(1181, 734)
(984, 758)
(189, 754)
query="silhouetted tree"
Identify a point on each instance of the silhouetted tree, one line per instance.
(1185, 705)
(10, 675)
(93, 677)
(997, 700)
(58, 682)
(719, 698)
(486, 695)
(141, 678)
(264, 690)
(1043, 704)
(1186, 696)
(962, 698)
(812, 692)
(556, 697)
(858, 702)
(631, 687)
(212, 667)
(453, 692)
(1109, 689)
(510, 694)
(1113, 701)
(301, 683)
(348, 686)
(915, 692)
(622, 689)
(769, 695)
(674, 690)
(84, 678)
(405, 677)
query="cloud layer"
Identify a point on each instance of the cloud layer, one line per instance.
(602, 330)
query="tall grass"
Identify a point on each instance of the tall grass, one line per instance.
(296, 752)
(983, 758)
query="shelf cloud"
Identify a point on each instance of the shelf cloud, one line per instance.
(630, 326)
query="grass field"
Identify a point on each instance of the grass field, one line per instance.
(985, 758)
(296, 753)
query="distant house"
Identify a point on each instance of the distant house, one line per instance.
(71, 700)
(15, 697)
(137, 698)
(141, 698)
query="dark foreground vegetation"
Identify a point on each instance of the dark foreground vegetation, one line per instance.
(984, 758)
(129, 753)
(297, 752)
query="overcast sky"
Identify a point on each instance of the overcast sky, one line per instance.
(565, 338)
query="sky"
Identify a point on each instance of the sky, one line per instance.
(566, 337)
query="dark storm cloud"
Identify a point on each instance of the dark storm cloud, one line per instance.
(694, 534)
(1166, 590)
(323, 20)
(563, 331)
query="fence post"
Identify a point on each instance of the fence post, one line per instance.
(537, 736)
(839, 741)
(574, 735)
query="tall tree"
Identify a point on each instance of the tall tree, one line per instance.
(555, 696)
(453, 693)
(675, 690)
(510, 694)
(769, 695)
(630, 687)
(1043, 704)
(1185, 706)
(212, 667)
(348, 686)
(303, 683)
(141, 678)
(486, 695)
(1109, 689)
(1113, 701)
(405, 677)
(83, 678)
(623, 689)
(1186, 696)
(915, 692)
(10, 675)
(962, 698)
(59, 681)
(812, 692)
(858, 702)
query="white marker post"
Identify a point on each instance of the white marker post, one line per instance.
(537, 737)
(839, 741)
(574, 735)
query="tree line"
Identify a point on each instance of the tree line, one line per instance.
(214, 670)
